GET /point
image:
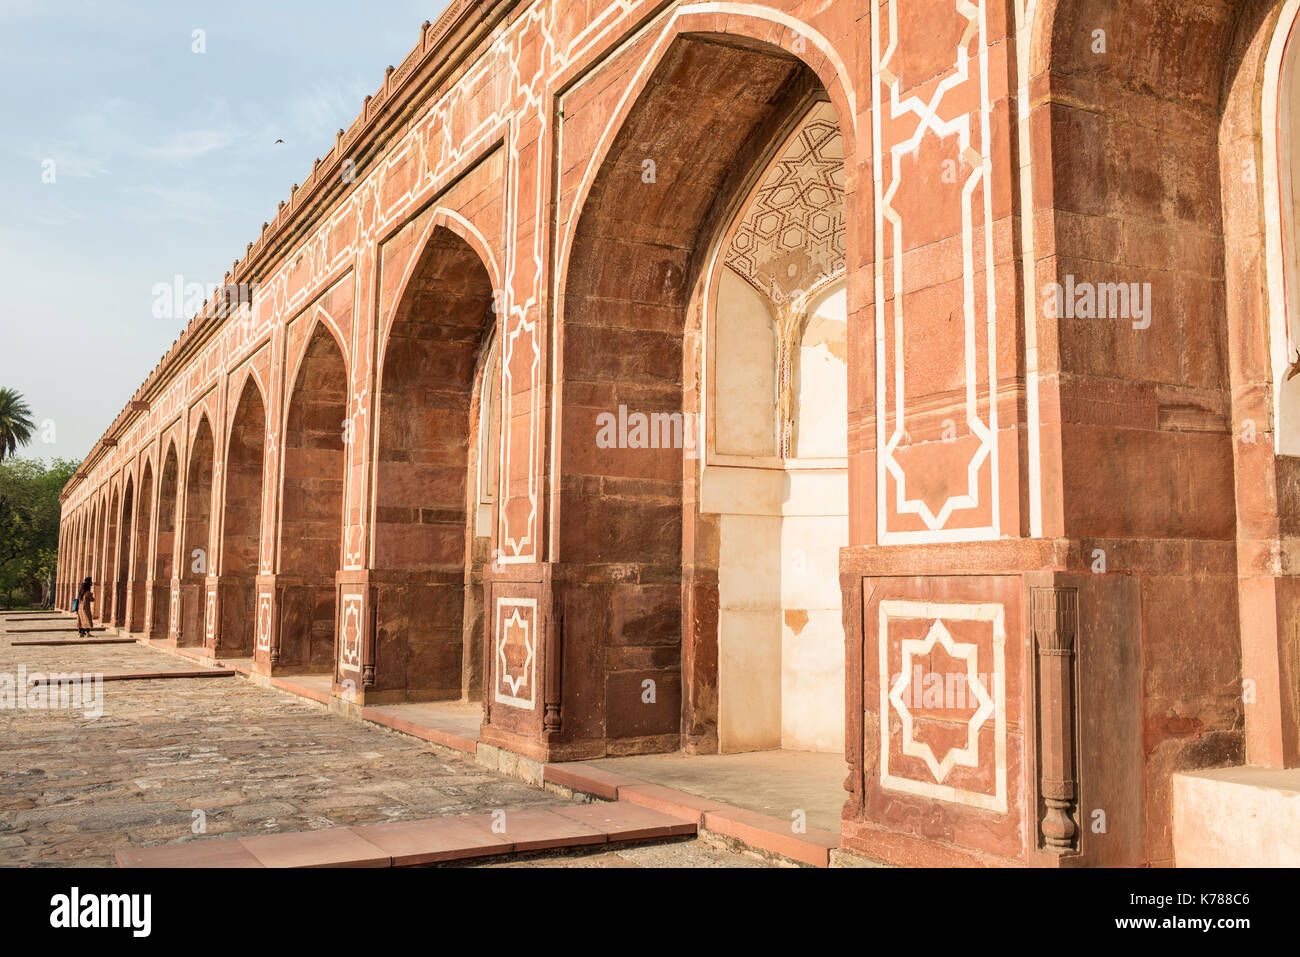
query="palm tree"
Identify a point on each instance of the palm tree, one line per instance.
(16, 425)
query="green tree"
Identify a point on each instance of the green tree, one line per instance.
(29, 525)
(16, 425)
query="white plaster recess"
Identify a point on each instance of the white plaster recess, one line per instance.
(775, 471)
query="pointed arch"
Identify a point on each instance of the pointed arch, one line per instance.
(320, 325)
(631, 293)
(123, 576)
(164, 560)
(196, 528)
(101, 554)
(140, 553)
(316, 436)
(428, 549)
(726, 22)
(241, 520)
(108, 587)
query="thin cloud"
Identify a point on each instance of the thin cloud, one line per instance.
(183, 204)
(319, 112)
(186, 146)
(68, 162)
(117, 130)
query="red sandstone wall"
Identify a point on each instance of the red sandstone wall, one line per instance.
(994, 449)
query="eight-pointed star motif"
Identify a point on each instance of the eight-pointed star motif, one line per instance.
(968, 756)
(515, 624)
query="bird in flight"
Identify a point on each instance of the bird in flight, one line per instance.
(278, 142)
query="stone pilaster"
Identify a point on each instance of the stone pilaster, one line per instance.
(1054, 619)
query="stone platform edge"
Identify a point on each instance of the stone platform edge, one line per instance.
(769, 837)
(421, 842)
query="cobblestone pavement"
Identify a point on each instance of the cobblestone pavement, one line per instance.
(171, 757)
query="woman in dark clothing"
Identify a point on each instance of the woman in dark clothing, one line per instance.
(85, 599)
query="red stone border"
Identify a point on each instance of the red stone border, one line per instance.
(425, 732)
(758, 831)
(410, 843)
(298, 688)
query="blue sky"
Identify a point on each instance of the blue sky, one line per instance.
(164, 163)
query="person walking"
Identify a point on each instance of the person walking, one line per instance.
(85, 599)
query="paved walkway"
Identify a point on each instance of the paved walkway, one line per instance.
(188, 759)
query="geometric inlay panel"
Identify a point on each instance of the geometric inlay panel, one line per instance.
(515, 661)
(935, 289)
(943, 715)
(350, 634)
(792, 235)
(264, 622)
(210, 618)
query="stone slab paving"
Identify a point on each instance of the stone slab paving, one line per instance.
(74, 790)
(221, 755)
(430, 841)
(693, 853)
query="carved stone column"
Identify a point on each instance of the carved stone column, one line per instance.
(368, 649)
(553, 689)
(1054, 614)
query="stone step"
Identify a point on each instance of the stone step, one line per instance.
(760, 832)
(411, 843)
(1237, 817)
(297, 684)
(424, 724)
